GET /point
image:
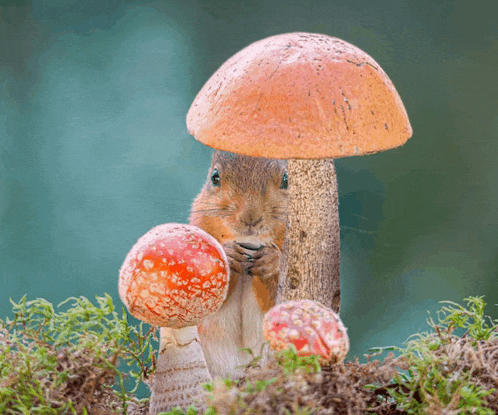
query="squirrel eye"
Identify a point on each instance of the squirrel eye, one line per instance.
(285, 181)
(215, 178)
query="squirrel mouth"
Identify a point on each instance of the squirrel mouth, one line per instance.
(255, 241)
(251, 247)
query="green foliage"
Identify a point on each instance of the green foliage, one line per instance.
(191, 410)
(470, 318)
(228, 382)
(65, 360)
(292, 362)
(441, 369)
(288, 364)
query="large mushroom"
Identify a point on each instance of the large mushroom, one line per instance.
(174, 277)
(307, 98)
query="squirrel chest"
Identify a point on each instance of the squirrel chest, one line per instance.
(243, 204)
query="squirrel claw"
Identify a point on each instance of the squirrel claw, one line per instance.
(266, 262)
(240, 261)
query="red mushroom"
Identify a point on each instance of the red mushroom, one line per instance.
(174, 277)
(312, 328)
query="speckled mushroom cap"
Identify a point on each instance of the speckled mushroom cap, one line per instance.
(299, 95)
(311, 327)
(174, 276)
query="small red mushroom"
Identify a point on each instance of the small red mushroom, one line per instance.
(174, 277)
(312, 328)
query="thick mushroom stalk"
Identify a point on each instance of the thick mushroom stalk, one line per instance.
(310, 256)
(181, 370)
(301, 96)
(174, 277)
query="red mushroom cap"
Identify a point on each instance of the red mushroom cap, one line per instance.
(174, 276)
(312, 328)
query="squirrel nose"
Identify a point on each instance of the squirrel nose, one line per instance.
(248, 218)
(250, 223)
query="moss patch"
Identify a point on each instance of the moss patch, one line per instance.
(66, 360)
(438, 372)
(70, 359)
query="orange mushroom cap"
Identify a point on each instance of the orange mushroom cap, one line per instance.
(299, 95)
(311, 327)
(174, 276)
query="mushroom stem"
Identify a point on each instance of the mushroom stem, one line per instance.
(309, 267)
(181, 369)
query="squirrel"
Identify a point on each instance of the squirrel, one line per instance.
(243, 205)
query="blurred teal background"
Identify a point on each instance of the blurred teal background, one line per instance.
(94, 150)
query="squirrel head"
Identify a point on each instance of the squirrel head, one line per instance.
(244, 199)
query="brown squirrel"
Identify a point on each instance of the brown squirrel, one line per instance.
(243, 204)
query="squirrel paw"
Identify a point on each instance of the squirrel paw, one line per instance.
(239, 258)
(265, 262)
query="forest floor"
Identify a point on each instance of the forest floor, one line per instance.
(71, 362)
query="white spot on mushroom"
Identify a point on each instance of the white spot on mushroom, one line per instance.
(293, 334)
(305, 349)
(148, 264)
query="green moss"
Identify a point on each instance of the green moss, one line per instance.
(65, 359)
(69, 359)
(452, 368)
(447, 373)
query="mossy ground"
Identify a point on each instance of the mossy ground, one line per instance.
(69, 362)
